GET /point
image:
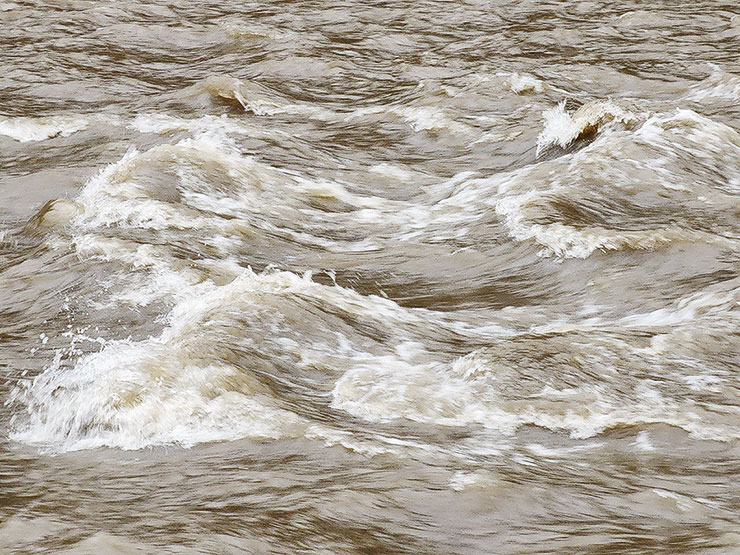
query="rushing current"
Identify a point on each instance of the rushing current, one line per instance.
(370, 277)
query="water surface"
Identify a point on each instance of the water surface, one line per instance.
(431, 277)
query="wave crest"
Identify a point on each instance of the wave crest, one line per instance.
(27, 129)
(562, 129)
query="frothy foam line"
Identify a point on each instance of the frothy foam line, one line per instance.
(221, 190)
(27, 129)
(255, 99)
(720, 85)
(466, 393)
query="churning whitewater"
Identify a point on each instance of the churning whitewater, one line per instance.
(433, 278)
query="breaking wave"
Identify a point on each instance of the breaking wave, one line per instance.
(26, 129)
(239, 348)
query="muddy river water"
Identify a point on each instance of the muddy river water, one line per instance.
(369, 277)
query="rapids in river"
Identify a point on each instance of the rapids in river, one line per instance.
(370, 277)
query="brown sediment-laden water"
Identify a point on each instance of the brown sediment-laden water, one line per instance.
(369, 277)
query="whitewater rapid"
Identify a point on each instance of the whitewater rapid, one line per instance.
(433, 278)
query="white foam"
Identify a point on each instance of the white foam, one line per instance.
(164, 123)
(467, 393)
(245, 195)
(258, 100)
(172, 388)
(168, 389)
(642, 441)
(680, 502)
(704, 383)
(543, 451)
(26, 129)
(478, 479)
(524, 83)
(133, 395)
(419, 118)
(393, 171)
(687, 310)
(157, 391)
(613, 165)
(720, 85)
(567, 241)
(561, 128)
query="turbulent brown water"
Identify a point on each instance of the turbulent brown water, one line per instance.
(422, 277)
